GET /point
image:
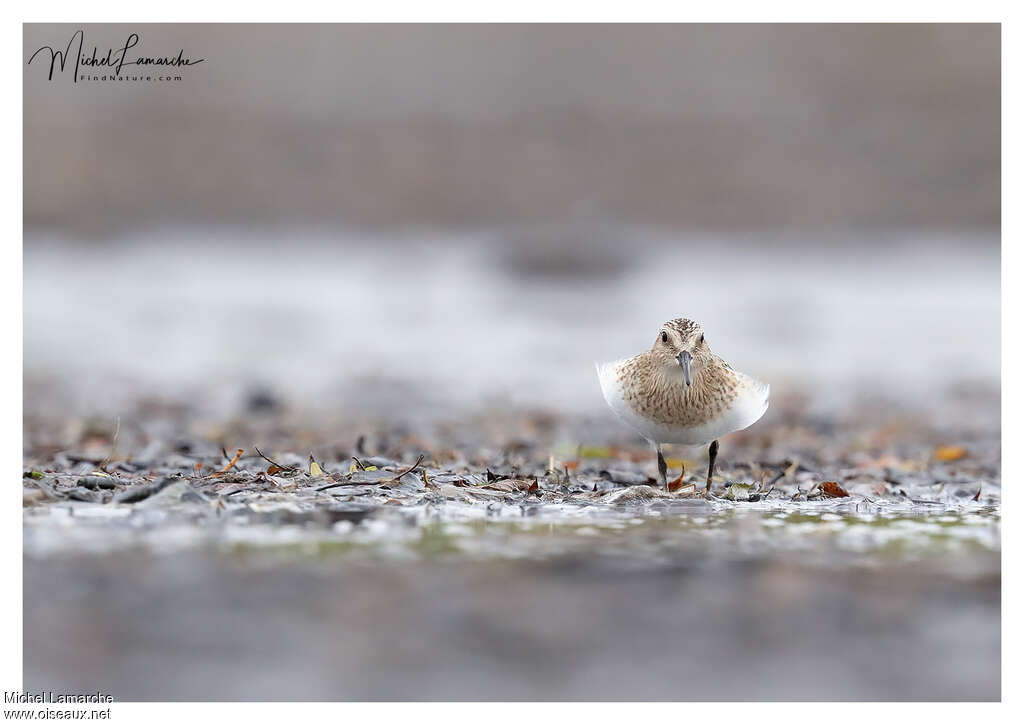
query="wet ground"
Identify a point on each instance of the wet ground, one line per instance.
(511, 555)
(477, 525)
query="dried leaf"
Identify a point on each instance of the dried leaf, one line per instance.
(831, 489)
(503, 486)
(977, 495)
(511, 485)
(950, 453)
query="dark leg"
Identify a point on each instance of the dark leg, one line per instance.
(662, 468)
(712, 455)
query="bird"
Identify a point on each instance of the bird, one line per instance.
(680, 392)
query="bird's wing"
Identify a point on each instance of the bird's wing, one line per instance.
(757, 390)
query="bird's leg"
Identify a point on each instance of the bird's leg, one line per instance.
(662, 466)
(712, 455)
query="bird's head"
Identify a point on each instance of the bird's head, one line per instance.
(681, 349)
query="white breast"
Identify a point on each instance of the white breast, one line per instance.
(749, 405)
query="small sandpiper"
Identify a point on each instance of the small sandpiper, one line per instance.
(680, 392)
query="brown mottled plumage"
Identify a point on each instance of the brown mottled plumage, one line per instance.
(680, 392)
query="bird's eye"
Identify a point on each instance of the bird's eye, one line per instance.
(664, 336)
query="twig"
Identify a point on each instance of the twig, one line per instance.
(332, 485)
(113, 445)
(272, 462)
(238, 454)
(762, 495)
(410, 469)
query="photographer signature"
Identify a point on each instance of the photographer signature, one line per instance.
(115, 59)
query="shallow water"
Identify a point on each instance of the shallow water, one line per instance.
(832, 533)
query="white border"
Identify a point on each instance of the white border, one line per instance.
(11, 359)
(193, 11)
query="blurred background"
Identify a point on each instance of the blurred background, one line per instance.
(408, 224)
(465, 211)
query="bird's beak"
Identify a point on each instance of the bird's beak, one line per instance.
(684, 362)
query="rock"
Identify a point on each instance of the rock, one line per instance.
(378, 476)
(144, 491)
(177, 492)
(626, 478)
(261, 400)
(636, 494)
(738, 492)
(95, 481)
(83, 494)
